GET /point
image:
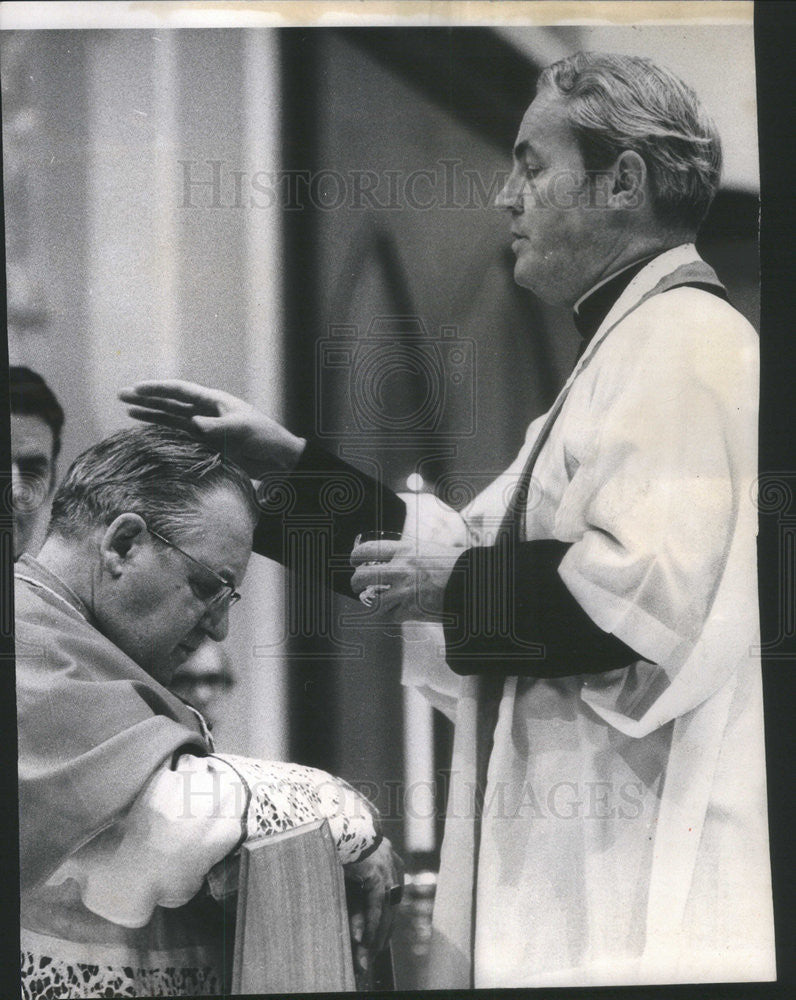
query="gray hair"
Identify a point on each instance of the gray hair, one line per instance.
(159, 473)
(618, 103)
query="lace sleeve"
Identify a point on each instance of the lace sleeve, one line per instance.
(285, 795)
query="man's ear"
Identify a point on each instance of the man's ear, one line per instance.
(630, 180)
(120, 542)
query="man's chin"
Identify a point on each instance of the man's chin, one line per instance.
(543, 285)
(528, 277)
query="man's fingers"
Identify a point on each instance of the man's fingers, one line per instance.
(375, 914)
(390, 907)
(371, 576)
(158, 417)
(357, 924)
(379, 917)
(374, 877)
(361, 957)
(177, 388)
(384, 925)
(373, 552)
(174, 389)
(159, 405)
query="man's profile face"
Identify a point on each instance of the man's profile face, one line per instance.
(32, 476)
(159, 609)
(563, 239)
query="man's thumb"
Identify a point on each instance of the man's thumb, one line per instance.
(204, 425)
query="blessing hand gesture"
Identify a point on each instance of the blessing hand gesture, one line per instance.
(256, 442)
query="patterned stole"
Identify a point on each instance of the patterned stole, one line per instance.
(486, 690)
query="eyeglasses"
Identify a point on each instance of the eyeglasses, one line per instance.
(225, 596)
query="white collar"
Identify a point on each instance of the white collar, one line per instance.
(646, 279)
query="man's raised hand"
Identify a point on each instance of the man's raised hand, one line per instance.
(222, 421)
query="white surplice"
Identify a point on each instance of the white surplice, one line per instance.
(624, 837)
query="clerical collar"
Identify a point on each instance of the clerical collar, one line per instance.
(592, 308)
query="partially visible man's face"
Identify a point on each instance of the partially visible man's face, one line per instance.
(563, 240)
(32, 476)
(159, 610)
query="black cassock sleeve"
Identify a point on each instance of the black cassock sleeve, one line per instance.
(508, 614)
(310, 516)
(508, 611)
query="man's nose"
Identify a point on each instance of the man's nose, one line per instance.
(510, 196)
(16, 479)
(216, 622)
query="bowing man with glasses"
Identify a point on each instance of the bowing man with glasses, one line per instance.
(128, 816)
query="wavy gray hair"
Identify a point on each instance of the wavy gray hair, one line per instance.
(618, 102)
(159, 473)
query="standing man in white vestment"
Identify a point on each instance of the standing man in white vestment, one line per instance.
(606, 821)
